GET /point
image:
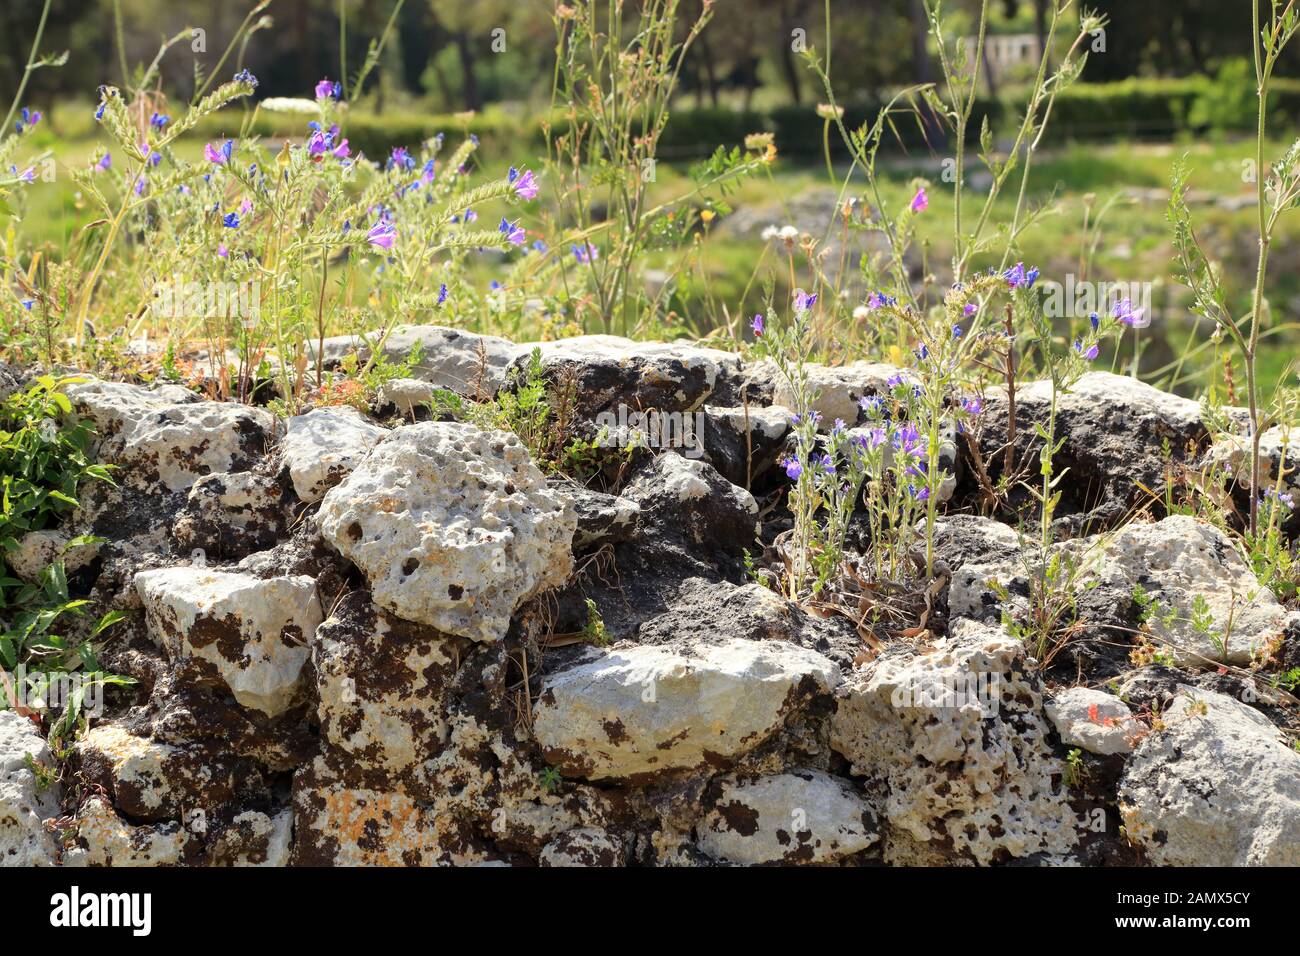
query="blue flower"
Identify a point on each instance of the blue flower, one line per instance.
(230, 220)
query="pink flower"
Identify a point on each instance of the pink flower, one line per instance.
(223, 251)
(217, 155)
(920, 202)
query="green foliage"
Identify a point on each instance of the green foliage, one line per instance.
(41, 461)
(593, 631)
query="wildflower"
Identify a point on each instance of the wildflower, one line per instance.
(803, 301)
(401, 159)
(828, 112)
(159, 120)
(1124, 312)
(871, 404)
(429, 173)
(342, 151)
(956, 332)
(218, 155)
(972, 406)
(585, 253)
(246, 206)
(861, 313)
(29, 119)
(1017, 277)
(706, 215)
(230, 220)
(243, 76)
(442, 293)
(105, 162)
(513, 232)
(525, 183)
(318, 145)
(923, 494)
(222, 251)
(828, 464)
(138, 188)
(920, 202)
(970, 309)
(539, 246)
(1090, 353)
(1094, 321)
(329, 90)
(27, 303)
(382, 234)
(151, 156)
(793, 469)
(99, 111)
(878, 300)
(874, 438)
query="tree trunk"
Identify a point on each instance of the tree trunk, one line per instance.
(921, 71)
(469, 82)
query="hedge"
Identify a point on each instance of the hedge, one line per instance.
(1129, 109)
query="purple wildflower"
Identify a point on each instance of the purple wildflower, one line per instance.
(793, 469)
(757, 325)
(525, 183)
(230, 220)
(513, 232)
(382, 234)
(920, 202)
(803, 301)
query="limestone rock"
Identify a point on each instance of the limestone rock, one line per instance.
(405, 394)
(165, 439)
(253, 838)
(151, 780)
(804, 816)
(1178, 561)
(380, 682)
(230, 516)
(249, 633)
(105, 839)
(689, 499)
(954, 741)
(839, 388)
(453, 527)
(26, 802)
(607, 371)
(584, 847)
(469, 364)
(633, 711)
(1098, 722)
(1216, 787)
(323, 446)
(37, 550)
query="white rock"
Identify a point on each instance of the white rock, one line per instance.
(253, 632)
(805, 816)
(955, 741)
(1115, 391)
(254, 839)
(638, 710)
(323, 447)
(453, 526)
(1216, 787)
(1110, 730)
(37, 550)
(1178, 560)
(105, 839)
(405, 394)
(380, 685)
(25, 804)
(839, 388)
(1279, 454)
(470, 364)
(150, 779)
(165, 439)
(583, 847)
